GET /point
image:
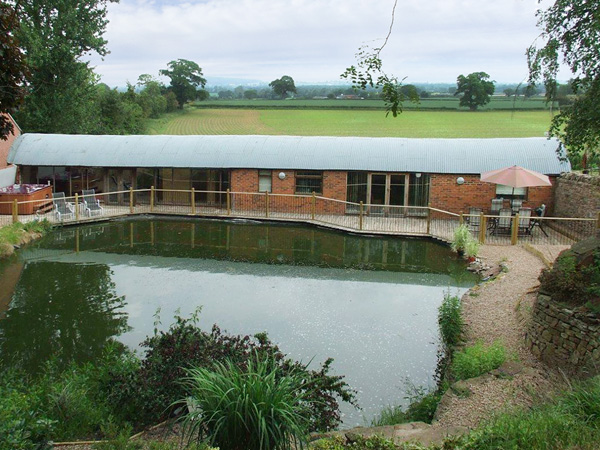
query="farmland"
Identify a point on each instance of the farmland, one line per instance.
(440, 103)
(300, 122)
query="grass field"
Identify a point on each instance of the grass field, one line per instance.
(502, 103)
(415, 124)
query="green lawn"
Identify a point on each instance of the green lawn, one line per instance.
(415, 124)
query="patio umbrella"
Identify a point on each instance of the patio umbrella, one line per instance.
(516, 177)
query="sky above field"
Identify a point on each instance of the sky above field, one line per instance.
(315, 40)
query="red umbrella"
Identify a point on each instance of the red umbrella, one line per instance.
(516, 177)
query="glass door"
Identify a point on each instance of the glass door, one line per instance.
(387, 190)
(379, 193)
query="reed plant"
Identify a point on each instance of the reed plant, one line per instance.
(450, 320)
(252, 408)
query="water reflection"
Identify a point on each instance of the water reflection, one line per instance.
(61, 310)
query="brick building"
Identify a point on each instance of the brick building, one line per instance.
(444, 173)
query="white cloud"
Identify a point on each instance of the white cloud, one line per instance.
(314, 40)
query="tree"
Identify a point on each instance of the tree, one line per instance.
(185, 77)
(283, 85)
(62, 88)
(151, 97)
(13, 69)
(475, 88)
(250, 94)
(509, 92)
(571, 34)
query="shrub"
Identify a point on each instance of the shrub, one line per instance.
(462, 235)
(253, 408)
(450, 320)
(472, 248)
(422, 407)
(476, 360)
(152, 391)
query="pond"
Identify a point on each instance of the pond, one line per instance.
(369, 302)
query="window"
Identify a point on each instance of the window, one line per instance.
(509, 192)
(309, 181)
(356, 190)
(265, 181)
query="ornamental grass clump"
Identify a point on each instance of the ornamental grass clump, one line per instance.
(254, 408)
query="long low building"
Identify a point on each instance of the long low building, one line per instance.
(444, 173)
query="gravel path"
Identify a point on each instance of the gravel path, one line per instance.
(499, 310)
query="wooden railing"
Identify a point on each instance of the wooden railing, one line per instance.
(356, 217)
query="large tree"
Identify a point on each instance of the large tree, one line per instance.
(476, 89)
(13, 70)
(62, 88)
(282, 86)
(571, 35)
(186, 76)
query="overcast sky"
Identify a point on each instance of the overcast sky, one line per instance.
(315, 40)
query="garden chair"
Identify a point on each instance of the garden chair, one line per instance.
(474, 218)
(504, 221)
(525, 222)
(537, 222)
(62, 209)
(91, 204)
(497, 204)
(516, 205)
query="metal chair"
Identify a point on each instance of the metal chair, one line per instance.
(516, 205)
(474, 217)
(497, 204)
(91, 204)
(504, 221)
(62, 209)
(525, 222)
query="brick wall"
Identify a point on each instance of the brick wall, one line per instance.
(446, 194)
(577, 195)
(5, 145)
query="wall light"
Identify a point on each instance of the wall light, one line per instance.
(460, 180)
(418, 175)
(281, 175)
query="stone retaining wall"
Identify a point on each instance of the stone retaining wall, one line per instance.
(565, 338)
(577, 195)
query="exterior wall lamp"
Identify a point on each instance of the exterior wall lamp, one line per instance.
(460, 180)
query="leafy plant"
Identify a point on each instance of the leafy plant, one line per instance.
(253, 408)
(477, 359)
(472, 248)
(462, 235)
(450, 320)
(422, 407)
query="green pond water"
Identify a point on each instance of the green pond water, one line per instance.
(369, 302)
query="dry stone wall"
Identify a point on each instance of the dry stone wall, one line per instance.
(565, 338)
(577, 195)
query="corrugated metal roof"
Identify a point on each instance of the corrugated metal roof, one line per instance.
(460, 156)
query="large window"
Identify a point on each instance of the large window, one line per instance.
(356, 190)
(510, 193)
(265, 181)
(309, 181)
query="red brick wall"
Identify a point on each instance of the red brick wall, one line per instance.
(5, 145)
(446, 194)
(246, 180)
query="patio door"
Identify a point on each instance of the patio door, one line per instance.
(385, 190)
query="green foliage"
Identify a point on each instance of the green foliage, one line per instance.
(258, 407)
(569, 421)
(450, 320)
(571, 36)
(570, 284)
(362, 443)
(185, 77)
(151, 391)
(422, 406)
(472, 248)
(281, 86)
(476, 89)
(13, 68)
(476, 360)
(461, 236)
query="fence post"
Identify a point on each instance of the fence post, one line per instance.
(131, 200)
(313, 208)
(461, 219)
(193, 201)
(429, 218)
(151, 198)
(482, 228)
(266, 204)
(77, 207)
(228, 202)
(15, 211)
(515, 230)
(360, 216)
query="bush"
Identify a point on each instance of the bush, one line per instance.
(422, 407)
(253, 408)
(462, 235)
(450, 320)
(152, 391)
(476, 360)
